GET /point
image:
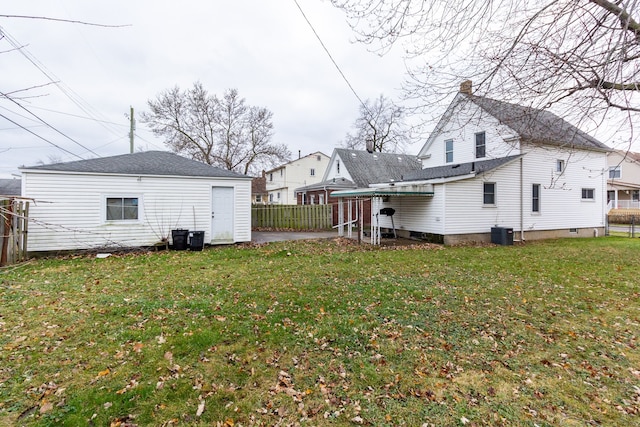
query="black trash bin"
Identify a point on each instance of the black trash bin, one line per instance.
(179, 238)
(196, 240)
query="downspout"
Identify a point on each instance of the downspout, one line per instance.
(521, 200)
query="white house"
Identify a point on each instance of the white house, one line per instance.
(283, 180)
(623, 186)
(134, 200)
(493, 164)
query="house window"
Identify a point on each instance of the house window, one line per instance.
(319, 158)
(258, 198)
(588, 194)
(559, 166)
(278, 195)
(304, 198)
(635, 195)
(489, 193)
(480, 145)
(614, 172)
(338, 166)
(281, 172)
(321, 199)
(535, 198)
(448, 150)
(122, 208)
(312, 172)
(271, 197)
(271, 177)
(313, 199)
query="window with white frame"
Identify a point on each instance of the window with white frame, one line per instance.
(615, 172)
(271, 197)
(271, 177)
(338, 166)
(588, 194)
(122, 209)
(312, 172)
(559, 166)
(535, 198)
(480, 145)
(321, 199)
(448, 150)
(313, 199)
(278, 195)
(489, 193)
(635, 195)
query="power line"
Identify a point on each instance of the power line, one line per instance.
(330, 56)
(40, 137)
(49, 125)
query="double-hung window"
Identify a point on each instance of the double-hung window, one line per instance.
(489, 194)
(480, 145)
(535, 198)
(312, 172)
(559, 166)
(448, 151)
(615, 172)
(122, 209)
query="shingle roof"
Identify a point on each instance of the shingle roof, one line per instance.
(10, 187)
(369, 168)
(145, 163)
(331, 184)
(453, 170)
(537, 126)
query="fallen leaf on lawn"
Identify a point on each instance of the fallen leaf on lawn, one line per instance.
(220, 318)
(104, 373)
(200, 409)
(137, 347)
(161, 339)
(464, 420)
(46, 407)
(169, 356)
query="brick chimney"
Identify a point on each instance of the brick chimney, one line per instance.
(466, 87)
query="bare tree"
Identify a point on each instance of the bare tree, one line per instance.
(224, 132)
(580, 57)
(379, 127)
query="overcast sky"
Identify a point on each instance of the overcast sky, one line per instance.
(265, 49)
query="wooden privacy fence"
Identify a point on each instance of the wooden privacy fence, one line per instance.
(297, 217)
(14, 219)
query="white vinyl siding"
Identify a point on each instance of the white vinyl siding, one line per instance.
(72, 209)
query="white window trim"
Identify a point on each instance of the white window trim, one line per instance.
(447, 152)
(560, 166)
(538, 212)
(495, 195)
(588, 200)
(103, 208)
(616, 168)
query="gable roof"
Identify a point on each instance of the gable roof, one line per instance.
(10, 187)
(368, 168)
(161, 163)
(461, 169)
(317, 153)
(532, 125)
(537, 126)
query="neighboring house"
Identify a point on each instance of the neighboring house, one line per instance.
(134, 200)
(623, 184)
(350, 169)
(283, 180)
(490, 164)
(10, 187)
(259, 193)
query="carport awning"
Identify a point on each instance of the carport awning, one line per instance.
(400, 190)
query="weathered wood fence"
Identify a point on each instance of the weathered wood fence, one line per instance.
(14, 214)
(296, 217)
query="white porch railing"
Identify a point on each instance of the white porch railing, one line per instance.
(623, 204)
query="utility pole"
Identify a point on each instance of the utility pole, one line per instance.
(131, 130)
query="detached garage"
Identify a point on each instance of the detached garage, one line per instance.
(134, 200)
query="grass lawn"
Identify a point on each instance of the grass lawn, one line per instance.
(326, 333)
